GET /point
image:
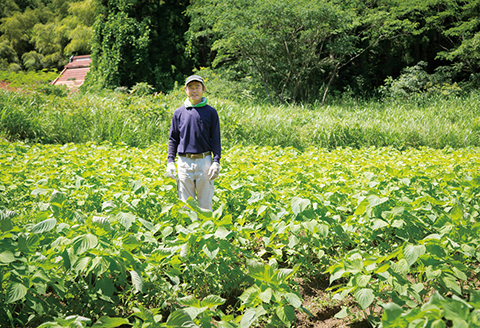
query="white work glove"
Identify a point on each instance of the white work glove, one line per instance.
(213, 171)
(171, 170)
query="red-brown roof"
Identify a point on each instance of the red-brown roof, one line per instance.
(73, 74)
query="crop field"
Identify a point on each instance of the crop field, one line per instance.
(92, 234)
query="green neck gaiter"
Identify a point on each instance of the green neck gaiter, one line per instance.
(202, 103)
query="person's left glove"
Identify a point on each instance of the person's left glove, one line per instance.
(213, 171)
(171, 170)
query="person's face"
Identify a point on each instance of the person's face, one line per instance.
(194, 92)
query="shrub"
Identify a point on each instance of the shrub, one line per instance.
(55, 90)
(142, 89)
(416, 81)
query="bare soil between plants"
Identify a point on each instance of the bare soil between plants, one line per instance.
(323, 308)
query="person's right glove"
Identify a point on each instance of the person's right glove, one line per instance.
(171, 170)
(213, 171)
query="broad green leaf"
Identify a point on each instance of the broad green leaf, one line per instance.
(81, 264)
(125, 219)
(378, 224)
(336, 275)
(147, 224)
(248, 318)
(285, 313)
(266, 295)
(15, 292)
(256, 196)
(293, 299)
(160, 253)
(40, 191)
(438, 324)
(261, 209)
(455, 310)
(137, 280)
(210, 253)
(136, 185)
(193, 312)
(364, 297)
(83, 243)
(7, 257)
(212, 301)
(189, 301)
(391, 312)
(6, 220)
(167, 231)
(432, 274)
(283, 274)
(180, 319)
(44, 226)
(451, 283)
(226, 324)
(456, 212)
(374, 200)
(383, 268)
(293, 241)
(342, 314)
(101, 221)
(129, 242)
(263, 272)
(362, 207)
(58, 198)
(108, 322)
(250, 294)
(222, 233)
(362, 280)
(413, 252)
(475, 298)
(106, 286)
(459, 274)
(299, 205)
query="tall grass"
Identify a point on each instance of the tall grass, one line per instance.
(114, 117)
(140, 121)
(435, 123)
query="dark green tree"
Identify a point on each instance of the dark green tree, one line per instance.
(297, 49)
(139, 41)
(46, 33)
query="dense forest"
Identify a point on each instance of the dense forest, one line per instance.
(285, 51)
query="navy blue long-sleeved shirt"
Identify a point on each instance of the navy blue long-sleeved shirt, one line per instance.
(194, 130)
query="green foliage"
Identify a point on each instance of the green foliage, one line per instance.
(415, 81)
(290, 47)
(433, 121)
(142, 89)
(94, 233)
(42, 116)
(46, 36)
(27, 79)
(139, 42)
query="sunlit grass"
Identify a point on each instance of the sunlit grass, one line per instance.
(140, 121)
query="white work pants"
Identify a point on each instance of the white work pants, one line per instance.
(193, 179)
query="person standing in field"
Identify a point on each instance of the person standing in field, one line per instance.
(195, 137)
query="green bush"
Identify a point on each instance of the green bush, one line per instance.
(55, 90)
(28, 79)
(142, 89)
(415, 81)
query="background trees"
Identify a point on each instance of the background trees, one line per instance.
(140, 41)
(44, 34)
(289, 51)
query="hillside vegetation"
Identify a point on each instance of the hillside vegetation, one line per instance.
(285, 51)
